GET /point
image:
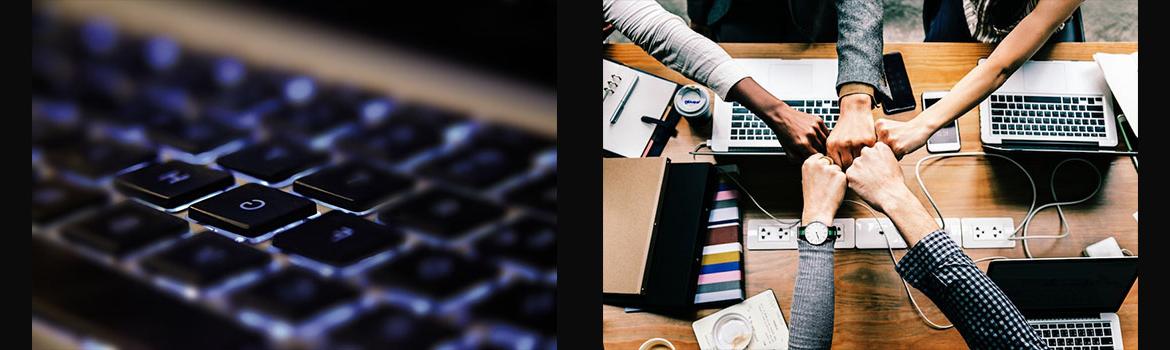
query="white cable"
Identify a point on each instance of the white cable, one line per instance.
(906, 286)
(1022, 228)
(758, 206)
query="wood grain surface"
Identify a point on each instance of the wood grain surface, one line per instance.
(872, 310)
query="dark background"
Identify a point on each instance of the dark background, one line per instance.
(515, 38)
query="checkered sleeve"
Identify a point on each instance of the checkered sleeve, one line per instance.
(985, 317)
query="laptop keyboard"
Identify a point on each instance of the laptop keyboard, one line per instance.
(216, 202)
(746, 126)
(1079, 334)
(1075, 118)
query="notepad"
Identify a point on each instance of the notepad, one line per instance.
(769, 331)
(644, 95)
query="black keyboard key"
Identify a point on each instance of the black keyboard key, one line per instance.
(997, 112)
(194, 137)
(441, 212)
(356, 187)
(795, 103)
(488, 160)
(98, 159)
(999, 105)
(338, 239)
(528, 240)
(252, 210)
(396, 140)
(205, 260)
(433, 272)
(527, 304)
(124, 228)
(391, 328)
(294, 295)
(272, 162)
(53, 200)
(172, 184)
(540, 193)
(98, 301)
(1096, 108)
(1041, 99)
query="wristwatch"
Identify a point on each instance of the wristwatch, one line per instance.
(817, 233)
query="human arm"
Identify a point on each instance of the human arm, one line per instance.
(812, 299)
(935, 264)
(1024, 40)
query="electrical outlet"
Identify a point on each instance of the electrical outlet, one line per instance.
(767, 234)
(954, 228)
(987, 232)
(848, 239)
(867, 235)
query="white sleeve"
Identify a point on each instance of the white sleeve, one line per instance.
(667, 37)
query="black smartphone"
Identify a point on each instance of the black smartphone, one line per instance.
(946, 139)
(902, 95)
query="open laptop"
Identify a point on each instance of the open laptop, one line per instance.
(1062, 106)
(808, 85)
(1070, 302)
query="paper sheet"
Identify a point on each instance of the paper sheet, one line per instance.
(651, 95)
(769, 331)
(1122, 76)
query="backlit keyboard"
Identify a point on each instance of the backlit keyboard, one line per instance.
(187, 199)
(1075, 118)
(746, 126)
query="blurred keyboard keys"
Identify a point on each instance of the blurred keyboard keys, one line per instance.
(528, 304)
(124, 228)
(115, 309)
(492, 155)
(205, 260)
(54, 199)
(95, 159)
(193, 137)
(528, 240)
(540, 193)
(294, 295)
(272, 162)
(433, 273)
(338, 239)
(354, 186)
(391, 328)
(170, 185)
(251, 210)
(441, 212)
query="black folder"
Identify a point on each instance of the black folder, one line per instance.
(676, 245)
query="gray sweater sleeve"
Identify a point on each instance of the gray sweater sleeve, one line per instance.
(859, 44)
(667, 37)
(811, 326)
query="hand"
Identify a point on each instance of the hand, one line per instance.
(823, 186)
(902, 137)
(854, 130)
(800, 133)
(877, 178)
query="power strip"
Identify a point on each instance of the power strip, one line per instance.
(972, 233)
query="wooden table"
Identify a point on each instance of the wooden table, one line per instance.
(872, 310)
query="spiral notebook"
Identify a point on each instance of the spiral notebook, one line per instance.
(636, 116)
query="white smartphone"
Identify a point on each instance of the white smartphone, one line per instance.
(946, 139)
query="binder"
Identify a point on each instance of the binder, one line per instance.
(663, 264)
(641, 102)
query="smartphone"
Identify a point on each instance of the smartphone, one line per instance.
(902, 95)
(946, 139)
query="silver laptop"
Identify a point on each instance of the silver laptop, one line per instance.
(1071, 303)
(808, 85)
(1050, 105)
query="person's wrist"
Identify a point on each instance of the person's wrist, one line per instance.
(822, 216)
(856, 103)
(911, 219)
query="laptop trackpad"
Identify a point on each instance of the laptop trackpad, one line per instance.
(1044, 76)
(790, 79)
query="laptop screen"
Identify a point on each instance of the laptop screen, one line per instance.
(1066, 286)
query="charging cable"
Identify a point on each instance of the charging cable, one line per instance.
(1022, 228)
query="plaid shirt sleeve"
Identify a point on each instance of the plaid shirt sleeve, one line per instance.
(985, 317)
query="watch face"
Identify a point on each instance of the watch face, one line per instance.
(816, 233)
